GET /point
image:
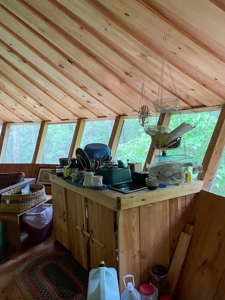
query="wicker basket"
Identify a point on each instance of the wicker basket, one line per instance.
(15, 202)
(172, 145)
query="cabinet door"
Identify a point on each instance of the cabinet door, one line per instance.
(59, 215)
(102, 243)
(77, 223)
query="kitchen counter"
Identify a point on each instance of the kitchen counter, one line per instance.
(130, 232)
(119, 201)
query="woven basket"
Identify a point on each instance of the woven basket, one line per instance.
(15, 202)
(172, 145)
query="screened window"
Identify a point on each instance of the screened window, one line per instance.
(57, 143)
(218, 184)
(97, 132)
(196, 141)
(134, 142)
(21, 143)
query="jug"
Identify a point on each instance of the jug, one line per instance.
(130, 293)
(103, 284)
(88, 179)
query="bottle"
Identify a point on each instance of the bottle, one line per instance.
(147, 292)
(103, 283)
(130, 292)
(158, 279)
(72, 167)
(187, 175)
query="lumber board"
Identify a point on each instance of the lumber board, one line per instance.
(179, 257)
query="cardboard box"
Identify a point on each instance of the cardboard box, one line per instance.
(135, 166)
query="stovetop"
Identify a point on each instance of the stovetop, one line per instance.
(127, 188)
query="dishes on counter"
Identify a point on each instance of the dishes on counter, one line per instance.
(83, 159)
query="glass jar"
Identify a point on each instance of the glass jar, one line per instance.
(158, 278)
(147, 292)
(59, 171)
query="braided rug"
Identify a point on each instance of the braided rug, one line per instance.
(52, 276)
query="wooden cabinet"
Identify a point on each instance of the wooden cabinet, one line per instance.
(85, 227)
(102, 227)
(130, 232)
(59, 215)
(77, 224)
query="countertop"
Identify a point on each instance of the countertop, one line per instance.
(119, 201)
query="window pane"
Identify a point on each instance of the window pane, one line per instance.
(97, 132)
(218, 184)
(0, 129)
(134, 142)
(21, 143)
(58, 141)
(196, 141)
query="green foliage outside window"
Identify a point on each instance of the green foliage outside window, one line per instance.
(133, 145)
(134, 142)
(57, 143)
(97, 132)
(21, 143)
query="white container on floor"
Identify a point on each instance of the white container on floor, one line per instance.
(103, 284)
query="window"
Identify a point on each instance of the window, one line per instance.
(134, 142)
(218, 184)
(57, 143)
(97, 132)
(196, 141)
(21, 143)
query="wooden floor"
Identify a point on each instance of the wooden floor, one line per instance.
(11, 264)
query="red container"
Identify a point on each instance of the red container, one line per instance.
(39, 235)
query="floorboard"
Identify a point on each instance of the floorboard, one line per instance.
(11, 264)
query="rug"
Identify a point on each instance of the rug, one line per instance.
(53, 276)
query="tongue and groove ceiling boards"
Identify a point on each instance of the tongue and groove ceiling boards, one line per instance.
(63, 60)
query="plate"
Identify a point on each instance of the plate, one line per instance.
(82, 154)
(81, 161)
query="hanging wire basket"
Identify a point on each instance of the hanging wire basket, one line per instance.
(166, 105)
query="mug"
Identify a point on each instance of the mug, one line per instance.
(88, 179)
(97, 180)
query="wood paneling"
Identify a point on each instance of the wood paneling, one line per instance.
(100, 217)
(202, 275)
(68, 60)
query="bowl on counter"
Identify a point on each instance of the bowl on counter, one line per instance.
(151, 184)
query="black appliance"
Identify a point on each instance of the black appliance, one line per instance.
(127, 188)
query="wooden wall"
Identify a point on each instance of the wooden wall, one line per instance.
(148, 235)
(30, 170)
(203, 272)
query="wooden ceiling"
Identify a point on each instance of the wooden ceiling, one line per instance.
(63, 60)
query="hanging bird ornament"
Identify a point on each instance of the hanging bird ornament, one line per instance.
(143, 113)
